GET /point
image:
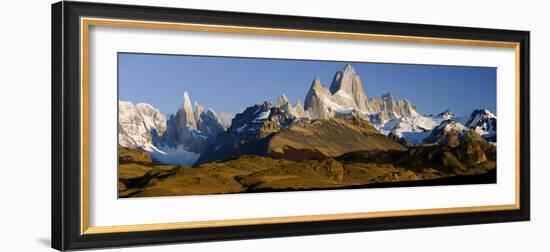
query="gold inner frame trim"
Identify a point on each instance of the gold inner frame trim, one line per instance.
(85, 24)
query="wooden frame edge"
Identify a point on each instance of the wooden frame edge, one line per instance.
(86, 22)
(289, 219)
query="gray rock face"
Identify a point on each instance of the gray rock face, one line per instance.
(299, 110)
(316, 100)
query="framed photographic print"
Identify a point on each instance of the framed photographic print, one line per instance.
(179, 125)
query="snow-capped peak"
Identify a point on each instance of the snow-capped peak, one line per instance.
(178, 140)
(138, 124)
(478, 115)
(450, 125)
(446, 133)
(483, 122)
(445, 115)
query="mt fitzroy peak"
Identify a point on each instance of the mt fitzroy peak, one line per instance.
(347, 96)
(348, 82)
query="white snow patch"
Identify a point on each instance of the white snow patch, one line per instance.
(240, 129)
(343, 94)
(172, 156)
(262, 116)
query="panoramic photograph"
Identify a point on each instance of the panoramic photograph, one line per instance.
(200, 125)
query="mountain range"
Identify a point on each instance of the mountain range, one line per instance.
(331, 122)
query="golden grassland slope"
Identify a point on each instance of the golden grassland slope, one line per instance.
(328, 138)
(251, 173)
(254, 173)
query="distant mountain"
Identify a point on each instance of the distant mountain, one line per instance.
(396, 117)
(180, 139)
(347, 96)
(385, 108)
(414, 129)
(192, 127)
(248, 132)
(261, 128)
(399, 117)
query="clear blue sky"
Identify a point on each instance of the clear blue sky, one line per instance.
(231, 84)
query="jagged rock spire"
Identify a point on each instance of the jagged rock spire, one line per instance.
(281, 101)
(188, 116)
(197, 111)
(316, 99)
(349, 82)
(343, 80)
(316, 84)
(299, 110)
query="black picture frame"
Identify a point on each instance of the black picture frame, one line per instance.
(66, 114)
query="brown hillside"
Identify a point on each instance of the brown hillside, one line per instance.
(328, 138)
